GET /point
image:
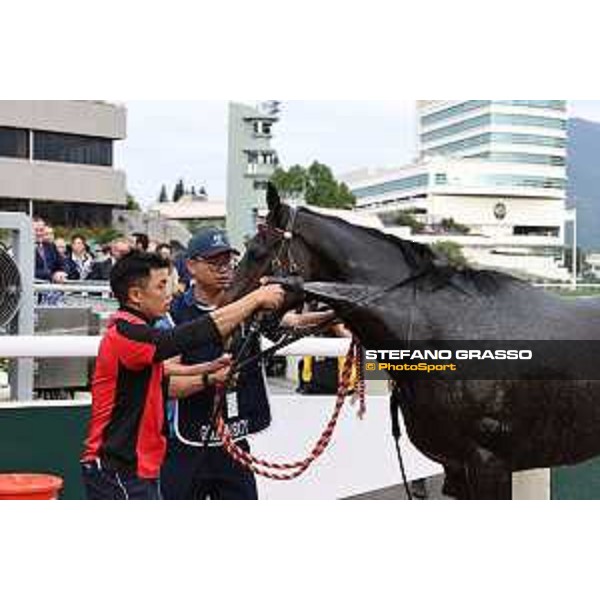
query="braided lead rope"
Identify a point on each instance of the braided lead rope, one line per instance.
(319, 447)
(360, 384)
(295, 469)
(358, 375)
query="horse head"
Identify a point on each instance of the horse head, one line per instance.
(277, 250)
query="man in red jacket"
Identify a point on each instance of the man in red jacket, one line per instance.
(126, 442)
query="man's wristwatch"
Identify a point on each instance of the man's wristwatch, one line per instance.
(206, 381)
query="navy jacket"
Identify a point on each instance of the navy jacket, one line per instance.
(47, 261)
(247, 410)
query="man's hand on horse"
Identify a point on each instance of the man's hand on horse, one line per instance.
(293, 287)
(293, 283)
(307, 320)
(270, 297)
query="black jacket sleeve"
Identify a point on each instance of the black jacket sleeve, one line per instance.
(169, 343)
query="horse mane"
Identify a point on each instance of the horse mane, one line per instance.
(438, 273)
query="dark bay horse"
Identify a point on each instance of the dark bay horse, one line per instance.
(480, 431)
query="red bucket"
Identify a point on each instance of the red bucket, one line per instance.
(29, 486)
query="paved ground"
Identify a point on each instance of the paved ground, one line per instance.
(433, 487)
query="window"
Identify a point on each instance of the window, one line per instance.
(14, 143)
(533, 230)
(80, 149)
(495, 119)
(262, 128)
(504, 179)
(498, 138)
(447, 113)
(546, 104)
(522, 157)
(472, 105)
(418, 181)
(481, 121)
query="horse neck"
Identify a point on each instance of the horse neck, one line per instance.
(374, 323)
(352, 254)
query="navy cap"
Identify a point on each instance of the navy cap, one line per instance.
(209, 242)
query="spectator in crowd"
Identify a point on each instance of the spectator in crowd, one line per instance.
(61, 247)
(100, 270)
(79, 260)
(141, 242)
(164, 250)
(49, 234)
(179, 257)
(49, 265)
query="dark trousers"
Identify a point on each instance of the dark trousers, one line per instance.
(192, 473)
(105, 484)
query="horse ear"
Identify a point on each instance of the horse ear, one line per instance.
(273, 199)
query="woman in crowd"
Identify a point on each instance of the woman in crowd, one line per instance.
(79, 261)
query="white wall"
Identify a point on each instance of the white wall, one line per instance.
(67, 116)
(61, 182)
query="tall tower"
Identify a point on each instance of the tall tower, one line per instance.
(251, 163)
(529, 135)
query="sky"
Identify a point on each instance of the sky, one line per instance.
(168, 140)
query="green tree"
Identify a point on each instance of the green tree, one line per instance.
(178, 191)
(316, 184)
(404, 218)
(452, 252)
(132, 203)
(452, 226)
(292, 182)
(163, 197)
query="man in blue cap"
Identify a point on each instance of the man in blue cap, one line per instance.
(197, 467)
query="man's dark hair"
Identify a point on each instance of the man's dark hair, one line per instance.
(134, 269)
(142, 239)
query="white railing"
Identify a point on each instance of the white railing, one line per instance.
(80, 346)
(100, 287)
(580, 285)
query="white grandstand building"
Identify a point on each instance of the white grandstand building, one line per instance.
(495, 167)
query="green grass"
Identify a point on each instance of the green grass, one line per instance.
(581, 292)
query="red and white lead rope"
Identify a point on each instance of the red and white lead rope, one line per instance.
(292, 470)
